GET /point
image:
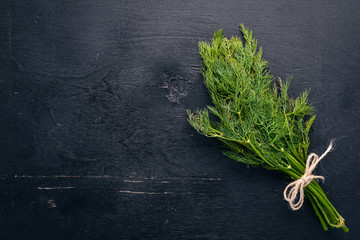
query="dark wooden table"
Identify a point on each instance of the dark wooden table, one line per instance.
(94, 140)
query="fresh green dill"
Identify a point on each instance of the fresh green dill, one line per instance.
(257, 121)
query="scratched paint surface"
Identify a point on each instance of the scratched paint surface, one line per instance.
(94, 140)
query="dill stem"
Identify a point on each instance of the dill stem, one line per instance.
(317, 210)
(259, 154)
(294, 163)
(316, 185)
(313, 190)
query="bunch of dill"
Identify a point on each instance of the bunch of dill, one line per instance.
(257, 120)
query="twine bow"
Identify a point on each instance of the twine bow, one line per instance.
(296, 188)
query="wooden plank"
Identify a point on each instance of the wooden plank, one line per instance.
(94, 138)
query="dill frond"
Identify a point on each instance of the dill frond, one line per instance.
(257, 120)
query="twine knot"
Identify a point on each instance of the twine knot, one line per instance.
(296, 188)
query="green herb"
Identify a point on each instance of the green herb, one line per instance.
(256, 119)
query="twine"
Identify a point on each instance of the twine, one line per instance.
(296, 188)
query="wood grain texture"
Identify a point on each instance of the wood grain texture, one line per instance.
(94, 140)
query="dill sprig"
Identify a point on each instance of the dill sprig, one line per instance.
(257, 121)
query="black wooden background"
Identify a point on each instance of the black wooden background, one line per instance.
(94, 142)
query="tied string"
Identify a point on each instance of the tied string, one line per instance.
(296, 188)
